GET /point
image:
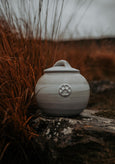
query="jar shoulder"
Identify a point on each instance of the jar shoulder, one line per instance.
(54, 78)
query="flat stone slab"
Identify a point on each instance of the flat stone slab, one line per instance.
(100, 122)
(62, 134)
(61, 130)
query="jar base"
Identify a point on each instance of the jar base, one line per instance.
(51, 112)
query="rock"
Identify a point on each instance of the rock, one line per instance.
(73, 137)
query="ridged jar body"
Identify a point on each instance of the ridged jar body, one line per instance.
(62, 93)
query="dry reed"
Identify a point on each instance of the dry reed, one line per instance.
(23, 56)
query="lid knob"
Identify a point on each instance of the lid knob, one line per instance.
(62, 63)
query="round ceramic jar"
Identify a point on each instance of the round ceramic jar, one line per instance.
(62, 90)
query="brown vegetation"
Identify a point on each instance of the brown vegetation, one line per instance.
(94, 57)
(22, 60)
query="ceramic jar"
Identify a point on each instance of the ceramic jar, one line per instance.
(62, 90)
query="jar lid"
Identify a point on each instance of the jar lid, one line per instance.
(61, 66)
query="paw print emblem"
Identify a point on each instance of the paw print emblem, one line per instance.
(65, 90)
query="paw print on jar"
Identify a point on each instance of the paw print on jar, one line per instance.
(65, 90)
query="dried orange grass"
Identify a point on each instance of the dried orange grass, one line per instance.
(17, 82)
(22, 60)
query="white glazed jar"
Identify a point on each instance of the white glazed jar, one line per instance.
(62, 90)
